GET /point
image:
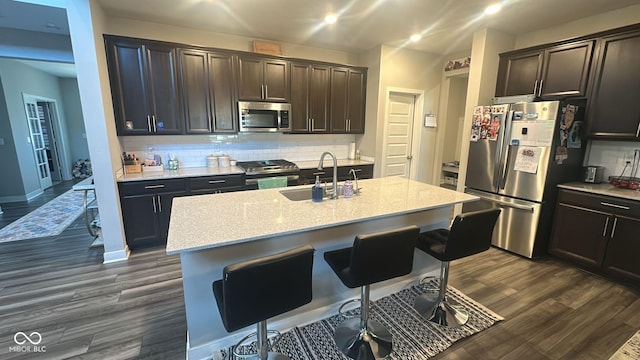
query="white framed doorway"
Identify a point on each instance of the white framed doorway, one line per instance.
(401, 140)
(47, 139)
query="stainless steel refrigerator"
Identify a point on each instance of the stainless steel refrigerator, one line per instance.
(517, 155)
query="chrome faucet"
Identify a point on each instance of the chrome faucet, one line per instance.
(355, 178)
(334, 193)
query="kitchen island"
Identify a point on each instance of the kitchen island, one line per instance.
(212, 231)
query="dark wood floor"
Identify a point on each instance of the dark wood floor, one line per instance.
(84, 309)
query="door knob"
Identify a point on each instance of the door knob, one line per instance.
(409, 157)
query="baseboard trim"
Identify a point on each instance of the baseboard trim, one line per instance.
(116, 256)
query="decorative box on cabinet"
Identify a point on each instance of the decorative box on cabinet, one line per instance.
(598, 232)
(144, 86)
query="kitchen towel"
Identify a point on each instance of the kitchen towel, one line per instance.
(272, 182)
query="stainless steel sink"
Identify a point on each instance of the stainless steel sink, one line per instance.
(303, 194)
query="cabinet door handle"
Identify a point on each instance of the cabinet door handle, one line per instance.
(309, 124)
(312, 125)
(155, 128)
(349, 123)
(535, 87)
(159, 204)
(638, 130)
(262, 92)
(159, 186)
(266, 91)
(217, 181)
(614, 205)
(149, 122)
(155, 210)
(606, 224)
(540, 89)
(613, 230)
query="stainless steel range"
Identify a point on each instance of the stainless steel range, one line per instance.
(269, 168)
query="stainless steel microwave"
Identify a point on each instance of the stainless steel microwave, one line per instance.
(264, 117)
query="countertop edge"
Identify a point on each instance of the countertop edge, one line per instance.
(312, 228)
(602, 189)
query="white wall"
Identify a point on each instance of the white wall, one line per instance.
(612, 155)
(184, 35)
(18, 78)
(76, 134)
(192, 150)
(412, 70)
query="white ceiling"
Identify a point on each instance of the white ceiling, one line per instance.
(446, 25)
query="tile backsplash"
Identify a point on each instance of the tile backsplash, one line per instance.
(613, 155)
(192, 150)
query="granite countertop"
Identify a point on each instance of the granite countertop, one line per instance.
(208, 221)
(205, 171)
(603, 189)
(181, 173)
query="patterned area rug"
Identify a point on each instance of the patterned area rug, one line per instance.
(413, 336)
(630, 350)
(49, 219)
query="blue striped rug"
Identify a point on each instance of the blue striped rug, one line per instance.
(413, 336)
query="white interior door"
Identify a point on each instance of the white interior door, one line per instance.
(37, 142)
(398, 135)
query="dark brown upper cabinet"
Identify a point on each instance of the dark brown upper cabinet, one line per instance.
(310, 91)
(144, 86)
(347, 100)
(614, 106)
(207, 87)
(263, 79)
(553, 72)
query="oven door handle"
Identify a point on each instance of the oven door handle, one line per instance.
(255, 181)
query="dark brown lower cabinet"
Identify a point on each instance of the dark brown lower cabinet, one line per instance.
(146, 209)
(362, 172)
(623, 251)
(600, 233)
(146, 205)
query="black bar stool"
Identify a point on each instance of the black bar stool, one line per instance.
(253, 291)
(373, 258)
(470, 234)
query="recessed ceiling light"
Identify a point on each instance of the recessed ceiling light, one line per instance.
(415, 37)
(330, 19)
(492, 9)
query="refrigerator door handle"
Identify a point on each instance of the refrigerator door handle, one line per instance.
(503, 166)
(502, 203)
(501, 159)
(514, 206)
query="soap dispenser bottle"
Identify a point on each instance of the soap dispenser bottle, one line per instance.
(316, 190)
